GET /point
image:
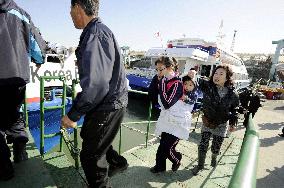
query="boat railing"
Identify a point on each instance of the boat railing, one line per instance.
(245, 171)
(142, 72)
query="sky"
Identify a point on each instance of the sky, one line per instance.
(135, 22)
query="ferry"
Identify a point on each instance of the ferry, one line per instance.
(190, 53)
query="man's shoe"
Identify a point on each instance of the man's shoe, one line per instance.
(6, 171)
(6, 176)
(116, 169)
(155, 170)
(19, 152)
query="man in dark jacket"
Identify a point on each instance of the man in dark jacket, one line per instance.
(20, 43)
(251, 103)
(153, 90)
(104, 90)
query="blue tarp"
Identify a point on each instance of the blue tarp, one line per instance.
(52, 123)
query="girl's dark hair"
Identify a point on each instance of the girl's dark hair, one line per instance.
(186, 78)
(229, 74)
(158, 61)
(91, 7)
(168, 62)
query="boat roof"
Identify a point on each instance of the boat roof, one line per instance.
(178, 52)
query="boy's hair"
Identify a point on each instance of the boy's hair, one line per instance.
(187, 78)
(91, 7)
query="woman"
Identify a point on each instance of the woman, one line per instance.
(220, 104)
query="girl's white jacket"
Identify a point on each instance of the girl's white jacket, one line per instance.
(176, 120)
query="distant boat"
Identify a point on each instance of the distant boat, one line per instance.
(190, 53)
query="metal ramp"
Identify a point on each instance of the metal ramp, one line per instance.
(141, 159)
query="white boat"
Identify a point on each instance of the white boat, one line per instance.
(56, 64)
(201, 55)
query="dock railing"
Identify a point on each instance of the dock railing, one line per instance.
(43, 108)
(244, 175)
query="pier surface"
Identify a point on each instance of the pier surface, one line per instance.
(55, 170)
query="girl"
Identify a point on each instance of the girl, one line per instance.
(174, 120)
(220, 104)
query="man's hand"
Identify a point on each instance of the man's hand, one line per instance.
(38, 65)
(67, 123)
(232, 128)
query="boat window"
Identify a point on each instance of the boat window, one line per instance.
(53, 59)
(181, 66)
(153, 59)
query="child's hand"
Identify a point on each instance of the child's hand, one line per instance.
(183, 97)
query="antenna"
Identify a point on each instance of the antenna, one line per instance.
(233, 41)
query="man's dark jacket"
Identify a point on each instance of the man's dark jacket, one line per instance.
(101, 72)
(153, 91)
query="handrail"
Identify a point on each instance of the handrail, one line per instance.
(42, 109)
(149, 117)
(76, 157)
(244, 175)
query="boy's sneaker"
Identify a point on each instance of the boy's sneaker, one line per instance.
(177, 165)
(19, 152)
